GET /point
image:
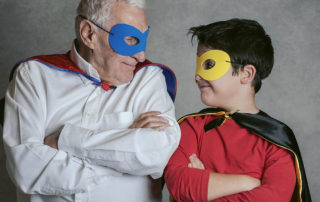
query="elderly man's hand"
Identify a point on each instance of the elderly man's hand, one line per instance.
(150, 120)
(52, 140)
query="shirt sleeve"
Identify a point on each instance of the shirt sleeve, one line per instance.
(34, 167)
(142, 151)
(278, 180)
(184, 183)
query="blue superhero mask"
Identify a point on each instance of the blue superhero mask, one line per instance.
(118, 35)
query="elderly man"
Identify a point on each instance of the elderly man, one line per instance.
(93, 124)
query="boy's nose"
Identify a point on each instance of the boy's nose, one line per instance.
(198, 78)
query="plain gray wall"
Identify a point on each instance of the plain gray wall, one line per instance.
(291, 93)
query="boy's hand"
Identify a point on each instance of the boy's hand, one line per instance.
(195, 162)
(150, 120)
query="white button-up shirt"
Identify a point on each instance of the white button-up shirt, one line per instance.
(99, 158)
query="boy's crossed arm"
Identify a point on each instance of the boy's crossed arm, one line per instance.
(221, 185)
(192, 182)
(277, 183)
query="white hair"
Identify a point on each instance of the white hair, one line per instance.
(98, 11)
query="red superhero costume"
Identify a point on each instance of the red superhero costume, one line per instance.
(228, 145)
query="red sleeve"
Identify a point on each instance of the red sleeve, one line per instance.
(278, 180)
(184, 183)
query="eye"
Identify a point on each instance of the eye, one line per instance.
(209, 64)
(131, 40)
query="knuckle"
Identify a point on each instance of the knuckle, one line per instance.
(148, 125)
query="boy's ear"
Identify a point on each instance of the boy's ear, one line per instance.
(247, 74)
(87, 33)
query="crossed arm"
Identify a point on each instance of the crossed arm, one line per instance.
(187, 178)
(146, 120)
(220, 185)
(85, 155)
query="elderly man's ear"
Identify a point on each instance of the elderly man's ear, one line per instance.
(88, 33)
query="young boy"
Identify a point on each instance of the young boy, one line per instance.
(224, 149)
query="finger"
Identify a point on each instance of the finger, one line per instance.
(160, 127)
(52, 140)
(151, 113)
(196, 163)
(151, 118)
(193, 161)
(201, 165)
(152, 121)
(155, 124)
(143, 119)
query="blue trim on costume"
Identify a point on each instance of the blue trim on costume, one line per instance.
(167, 72)
(94, 80)
(169, 76)
(170, 80)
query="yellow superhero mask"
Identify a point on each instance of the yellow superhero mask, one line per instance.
(213, 64)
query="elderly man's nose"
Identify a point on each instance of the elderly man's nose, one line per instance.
(140, 57)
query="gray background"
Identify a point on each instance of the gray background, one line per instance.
(291, 93)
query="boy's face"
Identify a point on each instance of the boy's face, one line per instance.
(223, 92)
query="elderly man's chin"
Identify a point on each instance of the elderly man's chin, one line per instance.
(126, 76)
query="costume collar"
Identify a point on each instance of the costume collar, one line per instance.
(83, 64)
(73, 62)
(86, 67)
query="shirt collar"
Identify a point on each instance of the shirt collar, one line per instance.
(83, 64)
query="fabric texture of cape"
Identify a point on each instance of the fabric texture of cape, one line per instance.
(270, 130)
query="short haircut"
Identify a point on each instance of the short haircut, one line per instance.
(98, 11)
(244, 40)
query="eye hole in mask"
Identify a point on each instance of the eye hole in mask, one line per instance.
(127, 40)
(131, 40)
(213, 64)
(208, 64)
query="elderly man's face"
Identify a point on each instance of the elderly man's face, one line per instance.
(112, 67)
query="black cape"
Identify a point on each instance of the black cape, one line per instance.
(270, 130)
